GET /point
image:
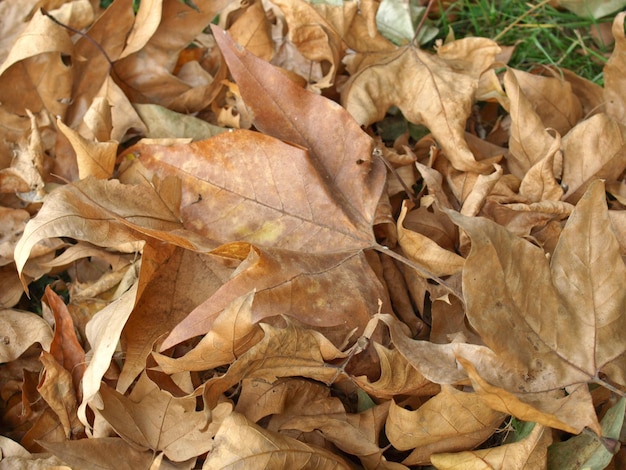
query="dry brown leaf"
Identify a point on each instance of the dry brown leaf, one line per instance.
(434, 90)
(65, 347)
(601, 137)
(108, 453)
(147, 74)
(529, 140)
(22, 330)
(259, 399)
(36, 59)
(161, 422)
(248, 24)
(94, 158)
(248, 186)
(426, 252)
(552, 98)
(563, 343)
(309, 287)
(450, 421)
(314, 37)
(530, 452)
(340, 151)
(56, 388)
(239, 442)
(354, 434)
(291, 351)
(232, 334)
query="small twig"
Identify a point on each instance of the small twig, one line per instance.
(80, 33)
(422, 271)
(393, 171)
(422, 20)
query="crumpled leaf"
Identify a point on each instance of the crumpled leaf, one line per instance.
(527, 453)
(615, 71)
(572, 320)
(308, 287)
(434, 90)
(161, 422)
(108, 453)
(283, 352)
(239, 442)
(21, 330)
(452, 420)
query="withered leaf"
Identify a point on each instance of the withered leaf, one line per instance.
(434, 90)
(248, 186)
(340, 151)
(307, 286)
(239, 442)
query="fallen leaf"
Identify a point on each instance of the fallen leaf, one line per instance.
(160, 422)
(240, 442)
(449, 81)
(527, 453)
(588, 451)
(343, 157)
(20, 331)
(452, 420)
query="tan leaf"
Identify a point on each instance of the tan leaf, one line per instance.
(314, 37)
(530, 452)
(57, 390)
(426, 252)
(240, 442)
(529, 140)
(559, 342)
(615, 71)
(148, 74)
(590, 277)
(552, 99)
(571, 411)
(601, 136)
(442, 85)
(108, 453)
(65, 347)
(99, 212)
(354, 434)
(283, 352)
(232, 334)
(35, 59)
(450, 421)
(90, 66)
(20, 331)
(249, 26)
(182, 281)
(540, 182)
(308, 287)
(259, 399)
(164, 123)
(95, 159)
(160, 422)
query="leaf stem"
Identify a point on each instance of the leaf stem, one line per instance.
(421, 270)
(597, 380)
(80, 33)
(422, 20)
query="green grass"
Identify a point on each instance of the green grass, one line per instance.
(541, 33)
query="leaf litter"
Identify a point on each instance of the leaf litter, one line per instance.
(246, 282)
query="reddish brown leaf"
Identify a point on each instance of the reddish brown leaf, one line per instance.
(340, 151)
